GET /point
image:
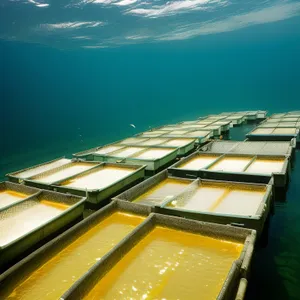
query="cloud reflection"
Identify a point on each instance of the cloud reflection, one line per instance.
(175, 7)
(112, 23)
(266, 15)
(72, 25)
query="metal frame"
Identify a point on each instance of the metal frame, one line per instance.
(97, 195)
(29, 191)
(280, 179)
(13, 175)
(34, 181)
(11, 250)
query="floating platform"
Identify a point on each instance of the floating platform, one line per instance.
(155, 190)
(216, 129)
(24, 225)
(236, 120)
(234, 167)
(12, 194)
(141, 264)
(51, 271)
(183, 145)
(19, 176)
(154, 158)
(251, 147)
(201, 136)
(100, 150)
(102, 182)
(273, 134)
(240, 204)
(152, 133)
(225, 125)
(48, 178)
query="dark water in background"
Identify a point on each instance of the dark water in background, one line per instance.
(63, 94)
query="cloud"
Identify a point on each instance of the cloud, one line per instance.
(72, 25)
(175, 7)
(38, 4)
(137, 37)
(125, 2)
(95, 47)
(81, 37)
(271, 14)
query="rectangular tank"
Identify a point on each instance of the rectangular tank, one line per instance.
(275, 148)
(153, 157)
(189, 122)
(243, 204)
(102, 182)
(250, 147)
(155, 190)
(231, 164)
(46, 179)
(261, 114)
(204, 122)
(50, 271)
(183, 145)
(132, 141)
(289, 119)
(234, 167)
(225, 125)
(201, 135)
(106, 150)
(216, 129)
(235, 119)
(268, 165)
(154, 133)
(195, 162)
(143, 267)
(273, 134)
(12, 194)
(192, 126)
(24, 225)
(289, 131)
(122, 153)
(19, 176)
(268, 130)
(100, 150)
(218, 146)
(153, 141)
(252, 115)
(170, 127)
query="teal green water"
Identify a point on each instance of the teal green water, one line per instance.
(75, 73)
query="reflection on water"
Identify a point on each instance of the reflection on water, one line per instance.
(138, 21)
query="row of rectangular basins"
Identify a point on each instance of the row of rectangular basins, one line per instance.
(282, 127)
(198, 219)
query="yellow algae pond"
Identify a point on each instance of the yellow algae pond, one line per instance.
(8, 197)
(166, 189)
(222, 199)
(198, 162)
(52, 279)
(99, 178)
(32, 214)
(169, 264)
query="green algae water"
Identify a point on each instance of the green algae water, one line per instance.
(77, 73)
